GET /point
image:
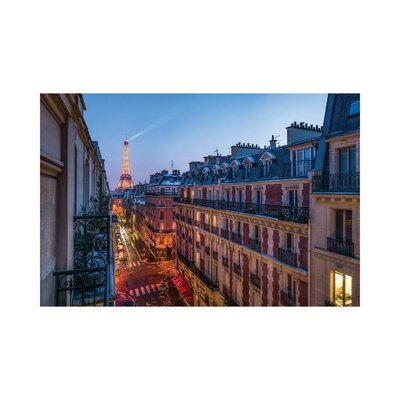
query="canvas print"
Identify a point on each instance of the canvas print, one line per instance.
(195, 200)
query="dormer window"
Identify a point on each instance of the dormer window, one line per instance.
(266, 159)
(235, 166)
(247, 164)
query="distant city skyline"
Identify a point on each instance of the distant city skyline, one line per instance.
(166, 130)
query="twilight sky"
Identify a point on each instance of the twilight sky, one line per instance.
(186, 127)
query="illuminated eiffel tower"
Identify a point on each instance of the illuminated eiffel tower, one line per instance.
(125, 181)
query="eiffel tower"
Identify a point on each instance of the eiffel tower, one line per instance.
(125, 181)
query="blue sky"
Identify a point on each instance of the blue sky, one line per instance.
(186, 127)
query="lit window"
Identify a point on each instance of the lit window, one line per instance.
(340, 289)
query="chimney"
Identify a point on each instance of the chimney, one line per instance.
(272, 143)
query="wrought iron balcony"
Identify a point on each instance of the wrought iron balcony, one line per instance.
(237, 269)
(255, 244)
(287, 213)
(228, 298)
(236, 237)
(206, 227)
(287, 298)
(224, 234)
(215, 230)
(190, 221)
(198, 244)
(203, 277)
(341, 246)
(287, 256)
(255, 280)
(215, 255)
(88, 283)
(208, 250)
(343, 183)
(225, 261)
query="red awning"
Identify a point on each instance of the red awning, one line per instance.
(183, 287)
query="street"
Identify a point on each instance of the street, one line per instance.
(137, 281)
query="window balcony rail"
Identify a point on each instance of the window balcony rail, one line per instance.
(206, 226)
(336, 183)
(215, 255)
(236, 237)
(287, 256)
(208, 250)
(287, 298)
(237, 269)
(228, 297)
(197, 223)
(255, 244)
(215, 230)
(255, 280)
(213, 285)
(341, 246)
(225, 261)
(224, 234)
(198, 244)
(190, 240)
(88, 283)
(287, 213)
(190, 221)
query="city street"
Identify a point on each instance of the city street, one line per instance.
(139, 282)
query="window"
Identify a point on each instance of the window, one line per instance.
(256, 232)
(347, 160)
(289, 241)
(344, 222)
(238, 227)
(340, 289)
(354, 108)
(302, 160)
(161, 215)
(292, 199)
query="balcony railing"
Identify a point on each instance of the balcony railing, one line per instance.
(224, 234)
(287, 256)
(237, 269)
(198, 244)
(228, 298)
(206, 227)
(255, 244)
(88, 283)
(208, 251)
(215, 230)
(204, 278)
(336, 183)
(255, 280)
(236, 237)
(287, 213)
(215, 255)
(225, 261)
(340, 246)
(287, 298)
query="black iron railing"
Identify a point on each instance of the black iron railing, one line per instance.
(224, 234)
(287, 256)
(225, 261)
(255, 280)
(236, 237)
(287, 213)
(237, 269)
(340, 246)
(215, 255)
(336, 183)
(88, 283)
(215, 230)
(208, 250)
(255, 244)
(203, 277)
(228, 297)
(287, 298)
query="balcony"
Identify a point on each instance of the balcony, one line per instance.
(225, 234)
(227, 297)
(340, 246)
(341, 183)
(287, 256)
(255, 244)
(88, 283)
(215, 255)
(215, 230)
(287, 298)
(237, 269)
(204, 278)
(236, 237)
(190, 221)
(206, 227)
(198, 244)
(208, 250)
(287, 213)
(255, 280)
(225, 262)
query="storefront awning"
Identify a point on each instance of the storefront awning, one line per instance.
(183, 288)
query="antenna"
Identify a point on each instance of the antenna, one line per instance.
(172, 166)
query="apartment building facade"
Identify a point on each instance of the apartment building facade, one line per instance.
(243, 223)
(335, 206)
